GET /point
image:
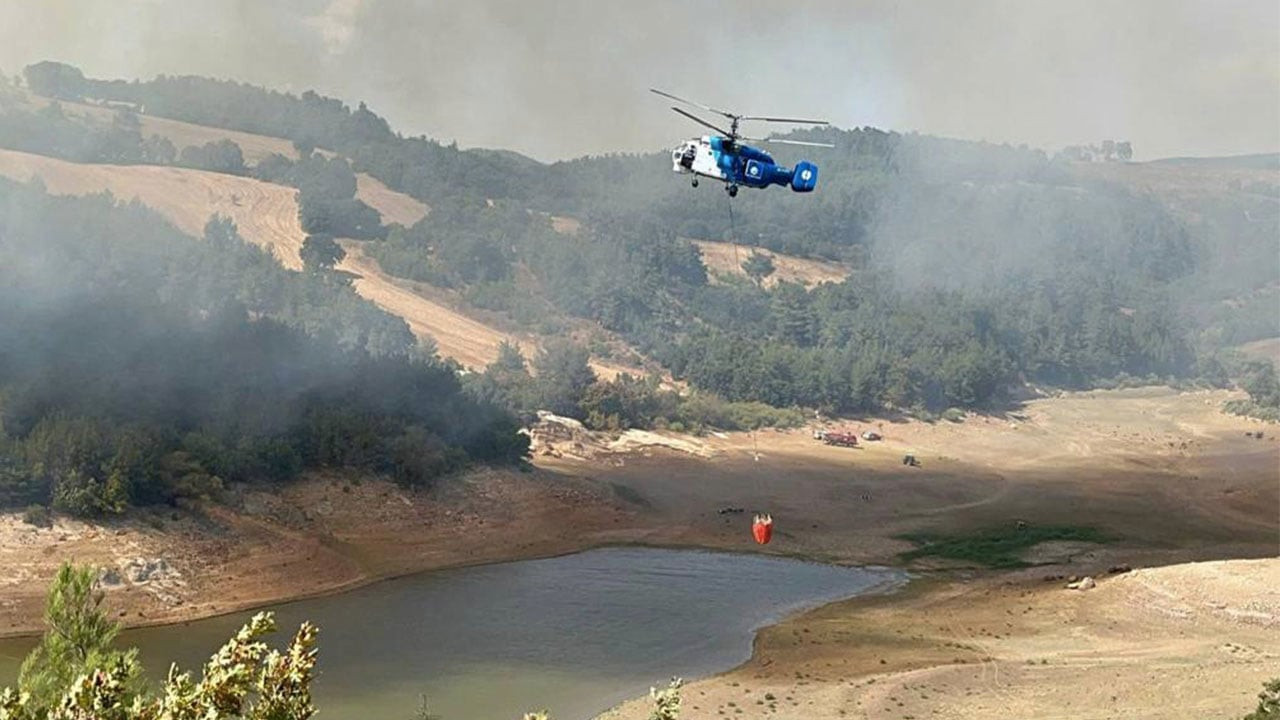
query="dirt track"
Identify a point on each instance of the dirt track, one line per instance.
(459, 337)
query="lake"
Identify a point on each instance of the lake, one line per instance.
(574, 635)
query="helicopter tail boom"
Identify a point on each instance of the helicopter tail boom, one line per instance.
(804, 177)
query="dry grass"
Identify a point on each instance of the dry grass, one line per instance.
(565, 225)
(726, 258)
(395, 207)
(1268, 349)
(266, 214)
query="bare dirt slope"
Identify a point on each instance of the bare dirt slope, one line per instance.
(326, 533)
(457, 336)
(1180, 180)
(726, 258)
(266, 215)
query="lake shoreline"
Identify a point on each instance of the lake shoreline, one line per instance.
(286, 599)
(1165, 473)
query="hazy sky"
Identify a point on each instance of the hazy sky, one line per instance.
(560, 79)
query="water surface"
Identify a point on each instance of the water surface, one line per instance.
(574, 634)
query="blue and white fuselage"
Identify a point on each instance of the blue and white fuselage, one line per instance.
(715, 157)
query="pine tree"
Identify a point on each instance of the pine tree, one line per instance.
(78, 640)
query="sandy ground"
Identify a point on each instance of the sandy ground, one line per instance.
(1172, 640)
(726, 258)
(1183, 641)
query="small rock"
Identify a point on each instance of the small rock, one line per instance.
(1085, 583)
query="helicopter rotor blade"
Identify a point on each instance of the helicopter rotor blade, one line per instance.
(793, 121)
(693, 104)
(797, 142)
(702, 122)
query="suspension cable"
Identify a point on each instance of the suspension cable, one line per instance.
(733, 234)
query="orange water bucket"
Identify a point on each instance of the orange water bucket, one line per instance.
(762, 529)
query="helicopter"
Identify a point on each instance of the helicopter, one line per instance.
(725, 158)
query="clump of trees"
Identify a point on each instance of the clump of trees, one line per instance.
(1258, 379)
(562, 382)
(76, 672)
(56, 80)
(327, 203)
(222, 156)
(50, 131)
(1105, 151)
(758, 267)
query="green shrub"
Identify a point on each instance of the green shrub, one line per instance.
(999, 547)
(37, 515)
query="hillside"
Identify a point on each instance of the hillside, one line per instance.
(181, 134)
(395, 207)
(266, 215)
(957, 250)
(727, 258)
